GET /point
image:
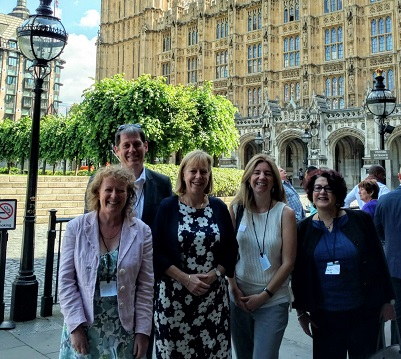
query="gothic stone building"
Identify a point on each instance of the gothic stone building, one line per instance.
(288, 65)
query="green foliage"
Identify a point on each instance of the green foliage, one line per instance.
(13, 171)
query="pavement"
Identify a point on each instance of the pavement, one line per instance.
(40, 338)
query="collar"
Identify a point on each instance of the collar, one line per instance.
(142, 177)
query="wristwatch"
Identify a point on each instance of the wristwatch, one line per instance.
(218, 273)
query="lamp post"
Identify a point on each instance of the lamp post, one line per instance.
(306, 138)
(381, 103)
(41, 38)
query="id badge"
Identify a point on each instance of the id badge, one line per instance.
(108, 289)
(242, 227)
(264, 262)
(333, 268)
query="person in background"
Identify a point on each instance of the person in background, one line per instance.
(293, 199)
(368, 193)
(301, 176)
(375, 172)
(106, 274)
(340, 281)
(194, 250)
(388, 225)
(151, 187)
(308, 172)
(259, 291)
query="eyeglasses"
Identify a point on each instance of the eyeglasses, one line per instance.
(318, 188)
(127, 125)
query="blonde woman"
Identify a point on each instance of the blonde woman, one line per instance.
(195, 249)
(266, 234)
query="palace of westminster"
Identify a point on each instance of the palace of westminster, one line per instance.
(287, 65)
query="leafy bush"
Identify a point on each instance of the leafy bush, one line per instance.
(13, 171)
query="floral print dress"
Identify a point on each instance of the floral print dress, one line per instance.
(187, 326)
(107, 338)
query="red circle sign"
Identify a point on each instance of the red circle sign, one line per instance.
(6, 210)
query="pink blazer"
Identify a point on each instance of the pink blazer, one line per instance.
(78, 271)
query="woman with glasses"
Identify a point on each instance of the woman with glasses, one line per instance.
(266, 234)
(340, 281)
(195, 249)
(106, 274)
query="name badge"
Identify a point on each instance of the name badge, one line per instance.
(108, 289)
(333, 268)
(242, 227)
(264, 262)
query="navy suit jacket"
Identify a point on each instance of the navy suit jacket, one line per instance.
(157, 186)
(388, 225)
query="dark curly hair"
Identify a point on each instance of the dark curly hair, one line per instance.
(334, 179)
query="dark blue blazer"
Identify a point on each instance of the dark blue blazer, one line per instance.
(166, 248)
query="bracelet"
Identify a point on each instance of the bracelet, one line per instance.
(300, 315)
(268, 292)
(189, 279)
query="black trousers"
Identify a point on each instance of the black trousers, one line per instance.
(354, 332)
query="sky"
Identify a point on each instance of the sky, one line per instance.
(81, 20)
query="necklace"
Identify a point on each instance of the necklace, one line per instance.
(196, 207)
(327, 226)
(108, 238)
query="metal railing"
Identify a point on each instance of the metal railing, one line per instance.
(53, 234)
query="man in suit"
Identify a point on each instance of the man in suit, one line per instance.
(292, 196)
(131, 147)
(375, 172)
(388, 225)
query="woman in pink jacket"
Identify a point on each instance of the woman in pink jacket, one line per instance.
(106, 274)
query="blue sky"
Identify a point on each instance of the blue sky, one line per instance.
(81, 20)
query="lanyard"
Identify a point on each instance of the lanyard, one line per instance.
(334, 244)
(264, 234)
(108, 258)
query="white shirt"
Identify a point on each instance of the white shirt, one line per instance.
(354, 195)
(138, 205)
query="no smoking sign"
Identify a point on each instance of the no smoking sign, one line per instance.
(8, 213)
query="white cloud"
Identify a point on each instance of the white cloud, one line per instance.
(80, 68)
(91, 19)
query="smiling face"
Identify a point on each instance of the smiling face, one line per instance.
(323, 199)
(262, 179)
(196, 177)
(131, 151)
(113, 196)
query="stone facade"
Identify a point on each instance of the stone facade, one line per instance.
(288, 65)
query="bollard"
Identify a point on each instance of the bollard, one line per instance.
(46, 308)
(5, 325)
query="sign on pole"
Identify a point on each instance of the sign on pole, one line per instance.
(8, 213)
(380, 154)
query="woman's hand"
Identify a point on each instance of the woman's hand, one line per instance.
(306, 323)
(237, 294)
(79, 340)
(254, 301)
(388, 312)
(197, 284)
(141, 343)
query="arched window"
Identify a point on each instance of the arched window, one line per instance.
(333, 40)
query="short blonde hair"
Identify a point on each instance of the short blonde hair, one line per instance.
(196, 156)
(116, 172)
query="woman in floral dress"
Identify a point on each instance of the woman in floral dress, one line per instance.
(106, 274)
(194, 249)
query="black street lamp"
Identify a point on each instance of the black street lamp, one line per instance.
(381, 103)
(41, 38)
(306, 138)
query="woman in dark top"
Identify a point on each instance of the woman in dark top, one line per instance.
(340, 281)
(194, 249)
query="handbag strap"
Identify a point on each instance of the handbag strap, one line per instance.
(382, 337)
